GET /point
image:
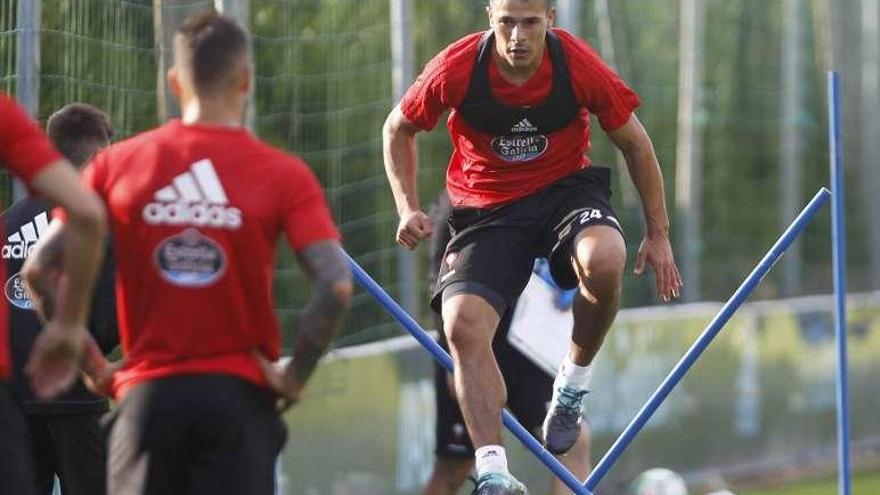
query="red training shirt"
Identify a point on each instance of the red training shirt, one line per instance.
(196, 213)
(477, 176)
(25, 151)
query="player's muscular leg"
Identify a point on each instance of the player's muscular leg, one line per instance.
(599, 260)
(470, 324)
(577, 461)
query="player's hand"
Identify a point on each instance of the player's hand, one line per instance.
(55, 358)
(414, 227)
(656, 250)
(281, 380)
(97, 371)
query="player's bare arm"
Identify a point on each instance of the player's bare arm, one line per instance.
(331, 295)
(399, 150)
(57, 351)
(644, 169)
(41, 271)
(42, 268)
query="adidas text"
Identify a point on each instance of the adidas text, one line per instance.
(195, 197)
(19, 245)
(196, 214)
(18, 251)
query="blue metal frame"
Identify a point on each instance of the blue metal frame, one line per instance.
(738, 297)
(838, 249)
(753, 279)
(411, 326)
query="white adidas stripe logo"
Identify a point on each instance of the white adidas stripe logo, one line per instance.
(523, 126)
(195, 197)
(199, 184)
(19, 244)
(31, 231)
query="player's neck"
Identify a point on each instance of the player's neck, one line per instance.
(221, 112)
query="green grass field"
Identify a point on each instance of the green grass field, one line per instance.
(866, 483)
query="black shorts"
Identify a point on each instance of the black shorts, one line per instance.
(529, 389)
(16, 473)
(74, 447)
(195, 434)
(492, 250)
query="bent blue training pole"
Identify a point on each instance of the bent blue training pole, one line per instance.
(411, 326)
(738, 297)
(838, 263)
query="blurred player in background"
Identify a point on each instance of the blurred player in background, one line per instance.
(197, 207)
(522, 187)
(529, 389)
(65, 436)
(26, 152)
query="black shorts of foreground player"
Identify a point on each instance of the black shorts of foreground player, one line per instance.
(199, 390)
(520, 96)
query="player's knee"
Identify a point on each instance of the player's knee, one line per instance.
(342, 291)
(466, 331)
(600, 261)
(469, 323)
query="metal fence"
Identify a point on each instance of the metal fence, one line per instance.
(732, 96)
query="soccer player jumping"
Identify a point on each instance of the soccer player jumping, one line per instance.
(196, 208)
(522, 187)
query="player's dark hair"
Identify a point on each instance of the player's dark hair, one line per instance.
(79, 131)
(210, 46)
(547, 3)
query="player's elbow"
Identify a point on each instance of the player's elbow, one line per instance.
(88, 215)
(331, 304)
(340, 294)
(396, 126)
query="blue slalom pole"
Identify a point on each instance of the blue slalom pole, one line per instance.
(411, 326)
(838, 250)
(677, 373)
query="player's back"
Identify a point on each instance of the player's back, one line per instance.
(196, 213)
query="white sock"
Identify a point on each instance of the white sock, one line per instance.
(490, 459)
(574, 376)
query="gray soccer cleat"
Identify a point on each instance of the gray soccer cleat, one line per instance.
(562, 426)
(499, 484)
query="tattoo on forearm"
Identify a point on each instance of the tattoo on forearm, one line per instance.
(320, 319)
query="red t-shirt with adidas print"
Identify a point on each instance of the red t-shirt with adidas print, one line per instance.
(25, 151)
(476, 175)
(196, 213)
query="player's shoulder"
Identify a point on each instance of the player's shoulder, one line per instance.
(278, 158)
(458, 56)
(7, 104)
(289, 170)
(12, 115)
(575, 48)
(464, 47)
(137, 143)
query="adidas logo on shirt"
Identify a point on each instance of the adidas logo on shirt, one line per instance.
(193, 198)
(20, 244)
(523, 126)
